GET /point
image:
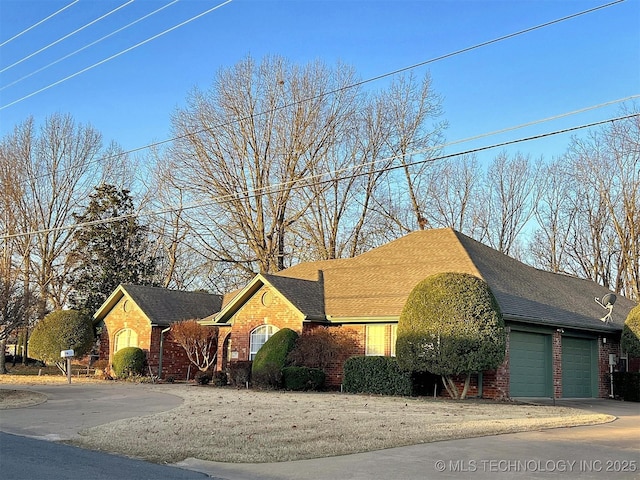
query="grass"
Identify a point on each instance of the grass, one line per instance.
(229, 425)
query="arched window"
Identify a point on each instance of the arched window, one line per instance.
(125, 338)
(258, 338)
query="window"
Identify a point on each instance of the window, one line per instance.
(258, 338)
(394, 338)
(125, 338)
(376, 339)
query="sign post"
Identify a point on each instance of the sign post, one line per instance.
(67, 354)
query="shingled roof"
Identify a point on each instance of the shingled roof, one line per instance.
(163, 306)
(376, 284)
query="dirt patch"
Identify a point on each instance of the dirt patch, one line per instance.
(20, 398)
(227, 425)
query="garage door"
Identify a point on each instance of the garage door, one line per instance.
(577, 367)
(529, 364)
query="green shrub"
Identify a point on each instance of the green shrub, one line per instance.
(303, 378)
(627, 386)
(379, 375)
(451, 325)
(61, 330)
(630, 341)
(203, 378)
(239, 373)
(271, 359)
(220, 379)
(128, 361)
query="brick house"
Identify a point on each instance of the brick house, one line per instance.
(557, 343)
(140, 316)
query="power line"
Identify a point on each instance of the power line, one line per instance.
(89, 45)
(363, 82)
(39, 23)
(117, 54)
(317, 179)
(66, 36)
(331, 92)
(448, 144)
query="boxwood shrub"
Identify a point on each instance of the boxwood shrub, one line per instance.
(128, 361)
(627, 385)
(379, 375)
(268, 363)
(303, 378)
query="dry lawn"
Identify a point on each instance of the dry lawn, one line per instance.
(228, 425)
(20, 398)
(48, 379)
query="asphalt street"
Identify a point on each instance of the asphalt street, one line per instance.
(24, 458)
(609, 451)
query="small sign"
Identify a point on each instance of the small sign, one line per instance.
(66, 353)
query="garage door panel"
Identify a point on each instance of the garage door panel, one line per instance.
(577, 367)
(529, 364)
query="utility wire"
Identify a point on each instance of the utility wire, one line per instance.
(317, 179)
(369, 80)
(39, 23)
(379, 77)
(89, 45)
(66, 36)
(118, 54)
(448, 144)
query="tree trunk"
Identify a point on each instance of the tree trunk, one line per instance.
(467, 381)
(450, 386)
(3, 347)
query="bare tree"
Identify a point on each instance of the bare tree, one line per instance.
(199, 342)
(606, 246)
(247, 145)
(453, 193)
(507, 205)
(555, 212)
(55, 168)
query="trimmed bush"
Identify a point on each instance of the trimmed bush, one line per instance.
(271, 359)
(128, 361)
(220, 379)
(239, 373)
(61, 330)
(630, 341)
(303, 378)
(378, 375)
(451, 325)
(627, 385)
(203, 378)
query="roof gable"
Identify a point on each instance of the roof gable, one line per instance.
(163, 306)
(304, 296)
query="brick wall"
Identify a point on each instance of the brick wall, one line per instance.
(610, 346)
(266, 307)
(126, 314)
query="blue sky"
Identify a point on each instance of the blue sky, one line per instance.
(581, 62)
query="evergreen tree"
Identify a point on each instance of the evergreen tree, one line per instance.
(112, 248)
(451, 325)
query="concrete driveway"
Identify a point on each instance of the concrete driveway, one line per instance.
(71, 408)
(603, 451)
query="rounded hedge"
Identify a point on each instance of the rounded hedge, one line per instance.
(303, 378)
(269, 361)
(630, 341)
(128, 361)
(61, 330)
(451, 324)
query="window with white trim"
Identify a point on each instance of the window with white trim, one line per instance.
(394, 338)
(125, 338)
(375, 340)
(258, 338)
